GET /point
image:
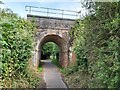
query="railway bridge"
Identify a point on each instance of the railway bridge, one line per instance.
(55, 29)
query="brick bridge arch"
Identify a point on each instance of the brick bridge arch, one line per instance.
(51, 29)
(60, 42)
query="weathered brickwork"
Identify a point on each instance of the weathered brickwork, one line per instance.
(55, 30)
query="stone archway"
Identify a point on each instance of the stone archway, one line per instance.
(61, 43)
(52, 29)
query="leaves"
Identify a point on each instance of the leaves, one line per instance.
(96, 42)
(50, 49)
(16, 40)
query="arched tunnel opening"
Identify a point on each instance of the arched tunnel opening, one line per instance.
(50, 51)
(63, 49)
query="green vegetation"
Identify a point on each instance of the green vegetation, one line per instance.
(16, 41)
(96, 41)
(50, 50)
(56, 62)
(40, 68)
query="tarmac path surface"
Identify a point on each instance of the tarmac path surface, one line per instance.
(52, 76)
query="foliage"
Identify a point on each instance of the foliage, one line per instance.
(40, 68)
(96, 41)
(70, 70)
(16, 41)
(76, 80)
(50, 49)
(55, 61)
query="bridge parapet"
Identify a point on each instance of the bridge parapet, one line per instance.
(52, 12)
(51, 22)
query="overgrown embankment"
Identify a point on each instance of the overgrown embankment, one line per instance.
(16, 44)
(96, 41)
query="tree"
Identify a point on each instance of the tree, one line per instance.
(97, 40)
(50, 49)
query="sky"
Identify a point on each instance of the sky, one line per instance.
(18, 6)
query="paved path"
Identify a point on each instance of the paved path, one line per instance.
(52, 76)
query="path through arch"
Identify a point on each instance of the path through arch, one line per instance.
(62, 44)
(52, 76)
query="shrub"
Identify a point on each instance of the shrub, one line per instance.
(96, 41)
(16, 41)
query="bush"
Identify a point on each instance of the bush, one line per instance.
(96, 41)
(16, 41)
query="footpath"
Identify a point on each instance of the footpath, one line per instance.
(52, 76)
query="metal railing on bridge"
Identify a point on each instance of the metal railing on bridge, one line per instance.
(50, 12)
